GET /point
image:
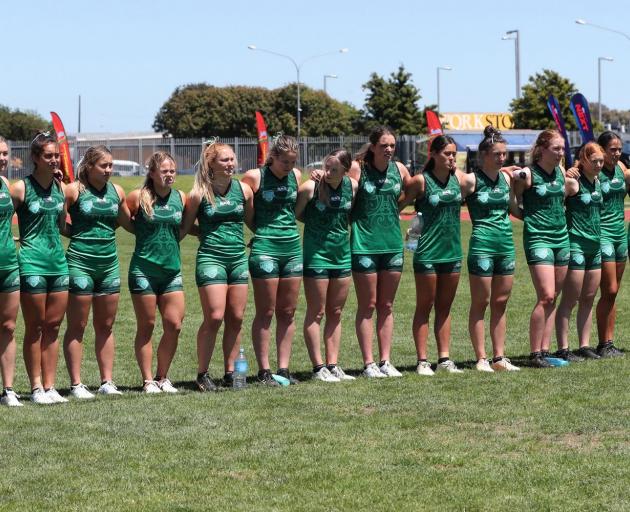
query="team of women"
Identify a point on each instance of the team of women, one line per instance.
(574, 239)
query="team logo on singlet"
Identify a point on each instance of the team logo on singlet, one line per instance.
(434, 199)
(397, 188)
(585, 198)
(86, 206)
(606, 187)
(369, 187)
(541, 190)
(34, 207)
(177, 216)
(320, 206)
(268, 195)
(483, 197)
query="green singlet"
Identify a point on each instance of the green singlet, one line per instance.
(94, 220)
(41, 252)
(375, 220)
(274, 216)
(583, 214)
(326, 233)
(157, 238)
(613, 185)
(543, 208)
(8, 256)
(440, 206)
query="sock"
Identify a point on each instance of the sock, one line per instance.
(422, 360)
(381, 363)
(442, 360)
(103, 382)
(157, 378)
(497, 359)
(200, 375)
(331, 367)
(317, 368)
(535, 354)
(74, 384)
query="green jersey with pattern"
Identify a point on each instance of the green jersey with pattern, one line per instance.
(488, 206)
(613, 186)
(326, 233)
(93, 232)
(583, 211)
(8, 256)
(221, 224)
(41, 251)
(440, 206)
(543, 209)
(274, 215)
(375, 219)
(157, 237)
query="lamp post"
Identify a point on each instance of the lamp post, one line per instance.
(599, 85)
(517, 57)
(298, 68)
(445, 68)
(584, 22)
(328, 76)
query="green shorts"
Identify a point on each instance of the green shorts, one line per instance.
(488, 265)
(9, 280)
(141, 284)
(614, 251)
(556, 256)
(446, 267)
(370, 263)
(581, 260)
(327, 273)
(96, 282)
(262, 266)
(44, 284)
(222, 272)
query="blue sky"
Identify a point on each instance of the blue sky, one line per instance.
(125, 58)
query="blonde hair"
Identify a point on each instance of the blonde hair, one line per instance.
(543, 141)
(281, 145)
(204, 176)
(147, 192)
(92, 155)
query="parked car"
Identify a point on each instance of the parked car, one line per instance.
(126, 168)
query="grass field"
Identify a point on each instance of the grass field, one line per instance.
(534, 440)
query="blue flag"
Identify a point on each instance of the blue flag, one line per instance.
(582, 114)
(554, 108)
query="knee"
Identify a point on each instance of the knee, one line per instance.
(481, 304)
(285, 315)
(367, 309)
(499, 303)
(385, 308)
(334, 313)
(8, 328)
(547, 300)
(172, 325)
(103, 327)
(212, 323)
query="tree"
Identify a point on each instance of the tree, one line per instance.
(393, 102)
(20, 125)
(530, 110)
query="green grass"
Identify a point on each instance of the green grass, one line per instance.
(536, 440)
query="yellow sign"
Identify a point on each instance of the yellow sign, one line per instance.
(476, 121)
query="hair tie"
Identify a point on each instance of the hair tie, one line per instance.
(275, 138)
(210, 141)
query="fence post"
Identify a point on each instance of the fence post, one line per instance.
(236, 149)
(10, 166)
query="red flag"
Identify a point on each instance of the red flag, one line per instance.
(433, 123)
(263, 142)
(64, 148)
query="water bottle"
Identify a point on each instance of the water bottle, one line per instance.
(239, 380)
(414, 232)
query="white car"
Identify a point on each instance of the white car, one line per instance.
(126, 168)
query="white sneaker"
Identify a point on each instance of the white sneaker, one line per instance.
(108, 388)
(81, 392)
(484, 366)
(38, 396)
(151, 387)
(389, 370)
(424, 368)
(372, 372)
(338, 372)
(324, 375)
(55, 397)
(166, 386)
(504, 365)
(448, 366)
(11, 399)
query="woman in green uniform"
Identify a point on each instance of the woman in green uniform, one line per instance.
(491, 254)
(438, 193)
(9, 285)
(155, 277)
(324, 207)
(376, 246)
(275, 260)
(541, 191)
(96, 208)
(221, 204)
(583, 207)
(40, 206)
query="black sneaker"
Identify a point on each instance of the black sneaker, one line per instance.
(284, 372)
(587, 353)
(607, 349)
(537, 360)
(228, 380)
(567, 355)
(266, 379)
(204, 383)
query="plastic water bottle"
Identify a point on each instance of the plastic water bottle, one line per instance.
(414, 232)
(239, 380)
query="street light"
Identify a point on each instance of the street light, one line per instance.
(584, 22)
(298, 68)
(328, 76)
(445, 68)
(517, 52)
(599, 85)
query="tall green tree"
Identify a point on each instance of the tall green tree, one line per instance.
(393, 102)
(20, 125)
(530, 110)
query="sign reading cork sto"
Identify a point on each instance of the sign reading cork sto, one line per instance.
(476, 121)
